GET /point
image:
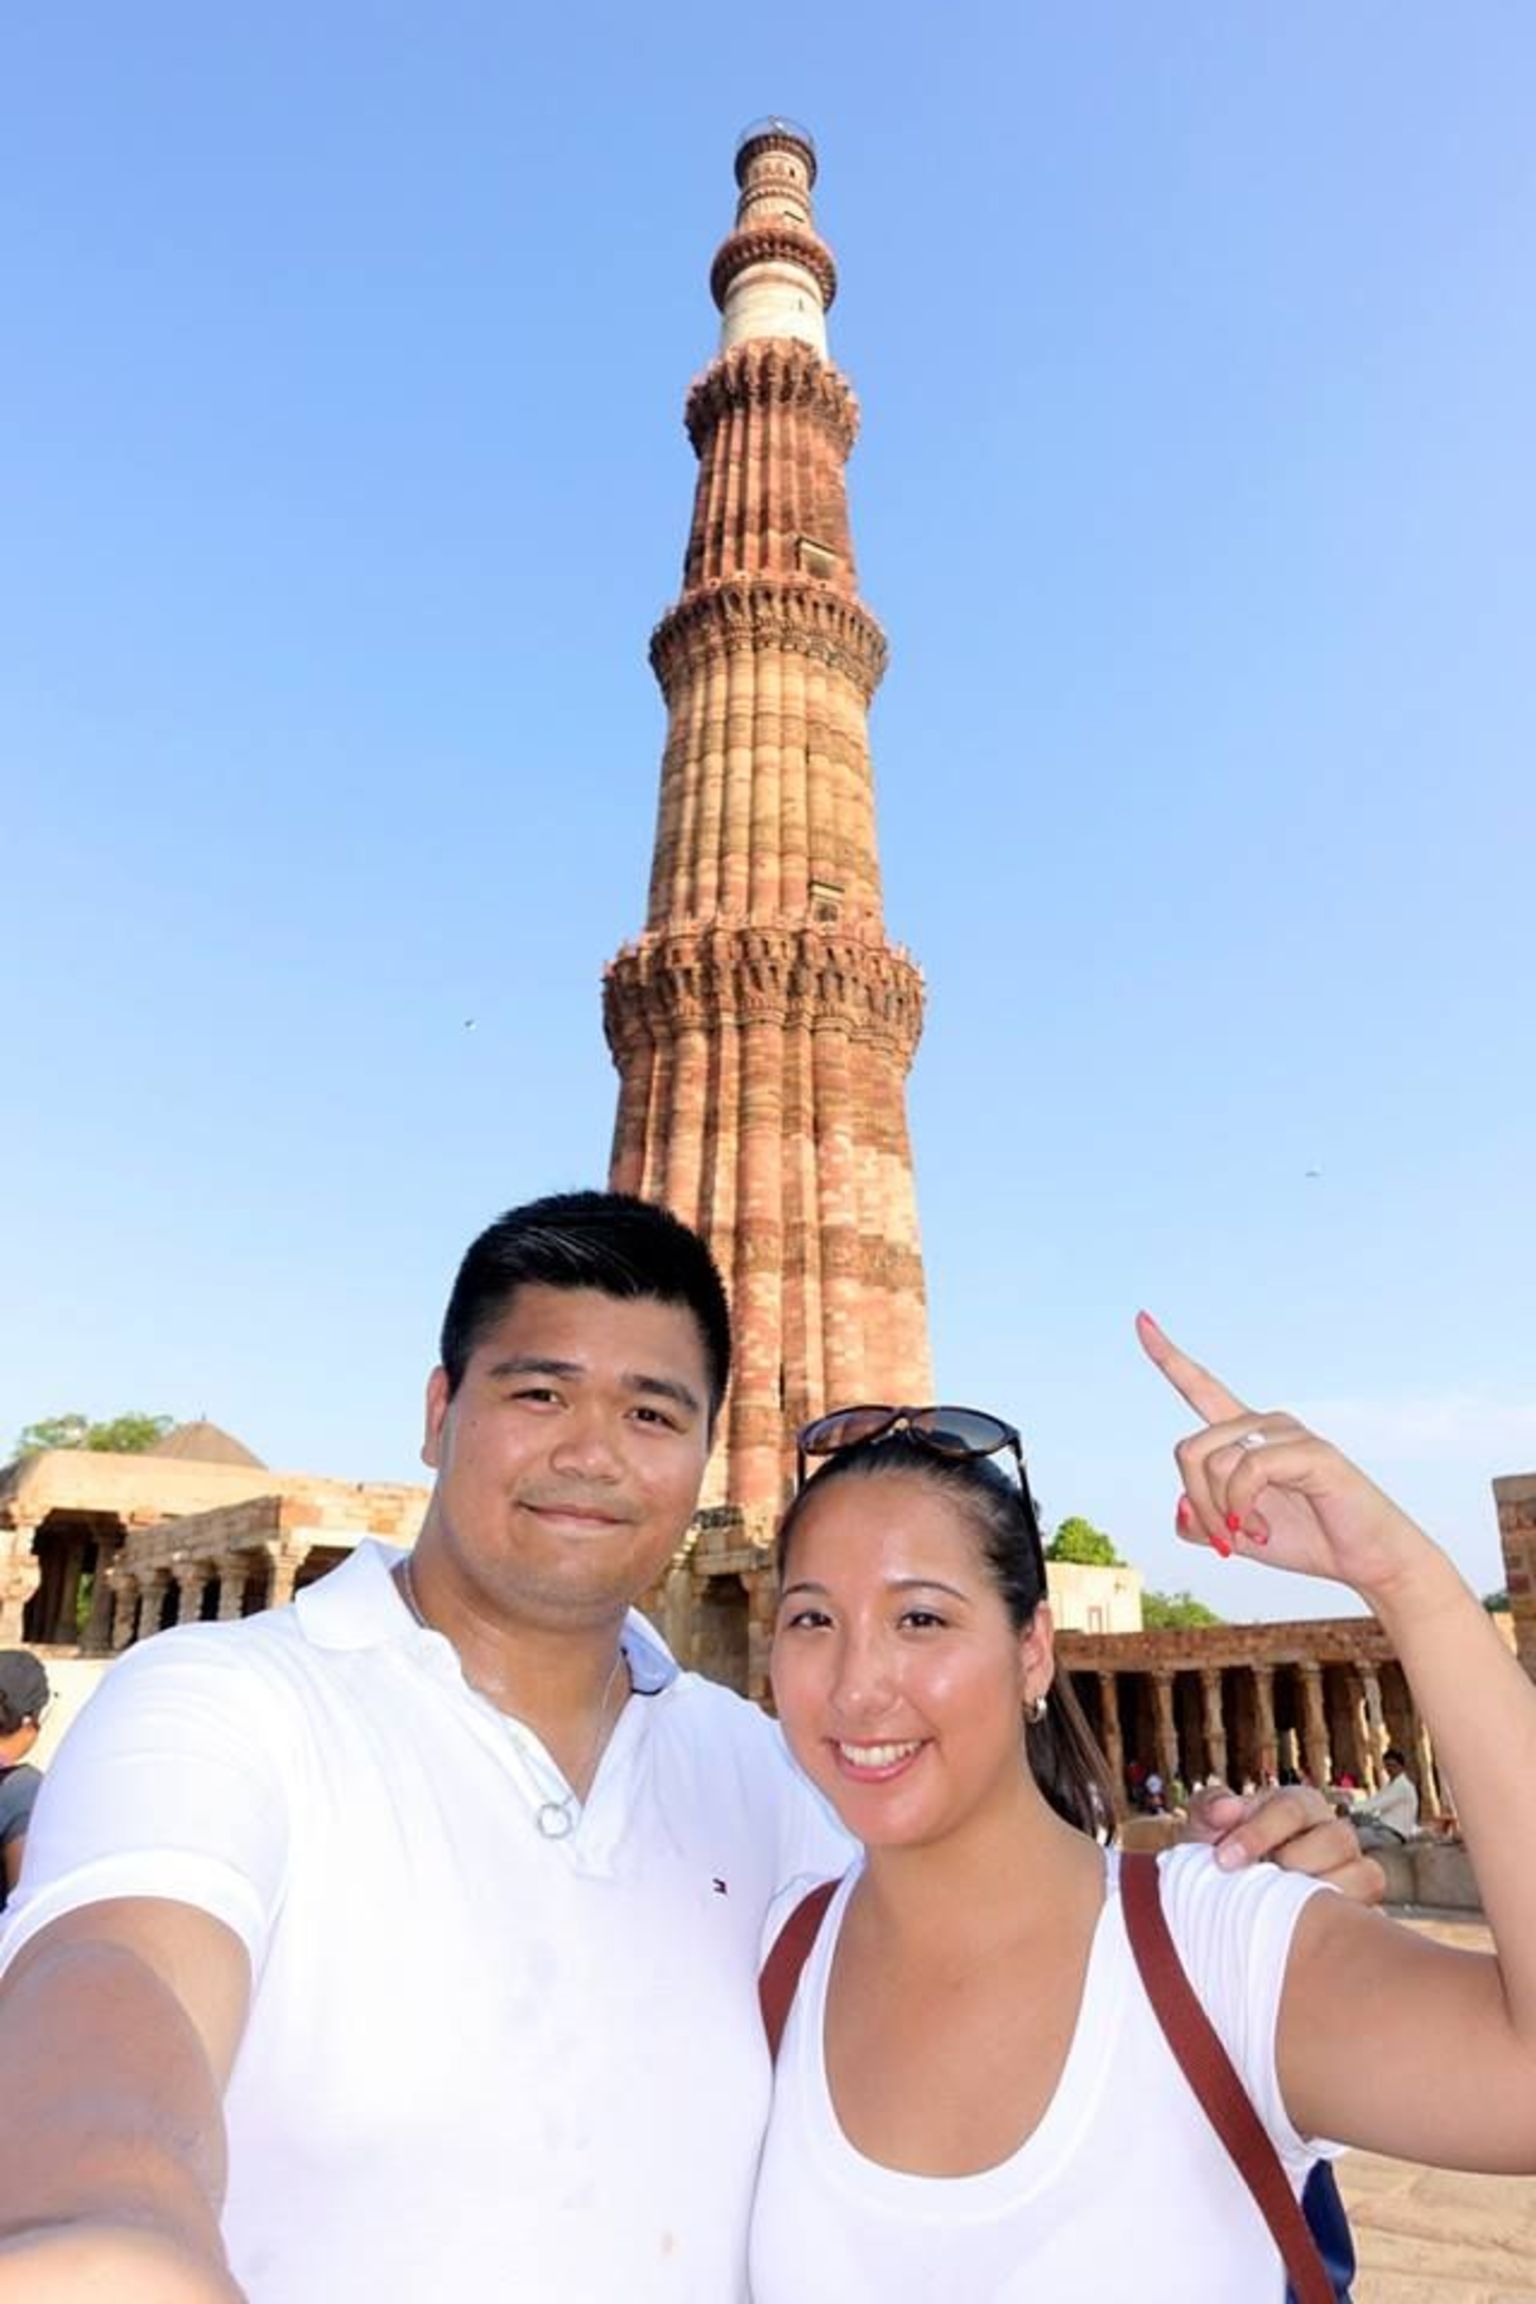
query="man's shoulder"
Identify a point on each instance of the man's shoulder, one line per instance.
(729, 1734)
(693, 1703)
(340, 1611)
(245, 1663)
(715, 1718)
(189, 1648)
(732, 1713)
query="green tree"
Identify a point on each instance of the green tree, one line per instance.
(1496, 1603)
(1083, 1545)
(126, 1435)
(1175, 1612)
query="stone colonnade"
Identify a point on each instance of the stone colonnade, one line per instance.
(212, 1588)
(1241, 1702)
(1248, 1719)
(214, 1567)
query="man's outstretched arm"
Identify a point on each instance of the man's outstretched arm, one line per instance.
(118, 2026)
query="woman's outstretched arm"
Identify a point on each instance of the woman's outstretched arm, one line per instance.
(1386, 2040)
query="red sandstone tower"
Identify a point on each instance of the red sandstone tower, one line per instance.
(762, 1025)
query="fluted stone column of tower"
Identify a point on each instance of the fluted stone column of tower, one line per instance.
(762, 1025)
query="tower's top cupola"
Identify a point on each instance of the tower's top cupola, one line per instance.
(774, 276)
(782, 136)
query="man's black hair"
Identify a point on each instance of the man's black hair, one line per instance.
(609, 1241)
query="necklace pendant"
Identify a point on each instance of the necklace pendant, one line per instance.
(554, 1819)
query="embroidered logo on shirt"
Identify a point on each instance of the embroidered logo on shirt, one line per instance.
(720, 1887)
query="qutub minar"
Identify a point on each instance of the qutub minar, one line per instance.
(763, 1025)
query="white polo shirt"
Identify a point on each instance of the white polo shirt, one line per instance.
(480, 2064)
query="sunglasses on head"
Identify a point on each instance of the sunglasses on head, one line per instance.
(953, 1432)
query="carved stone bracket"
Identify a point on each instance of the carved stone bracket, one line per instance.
(772, 372)
(286, 1557)
(795, 615)
(797, 973)
(782, 243)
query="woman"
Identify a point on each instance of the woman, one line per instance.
(973, 2097)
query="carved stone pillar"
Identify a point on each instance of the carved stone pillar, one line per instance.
(189, 1577)
(670, 1605)
(1113, 1736)
(1375, 1725)
(287, 1559)
(1214, 1725)
(54, 1619)
(234, 1583)
(96, 1636)
(20, 1575)
(1165, 1732)
(151, 1602)
(1267, 1763)
(1430, 1802)
(1515, 1499)
(125, 1609)
(1314, 1723)
(762, 1602)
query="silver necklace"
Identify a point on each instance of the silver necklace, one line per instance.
(556, 1819)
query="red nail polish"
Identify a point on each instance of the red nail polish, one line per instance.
(1257, 1529)
(1234, 1523)
(1182, 1516)
(1221, 1548)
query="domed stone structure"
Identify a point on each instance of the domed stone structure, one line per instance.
(203, 1443)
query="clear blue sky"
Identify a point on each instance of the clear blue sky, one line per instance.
(343, 478)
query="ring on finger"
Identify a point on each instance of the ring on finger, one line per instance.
(1251, 1440)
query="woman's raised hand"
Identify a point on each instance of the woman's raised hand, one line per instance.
(1263, 1485)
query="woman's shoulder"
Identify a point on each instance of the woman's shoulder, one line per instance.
(1207, 1905)
(830, 1891)
(1233, 1932)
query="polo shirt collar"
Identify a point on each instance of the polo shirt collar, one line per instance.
(358, 1605)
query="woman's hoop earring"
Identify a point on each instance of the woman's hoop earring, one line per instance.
(1034, 1713)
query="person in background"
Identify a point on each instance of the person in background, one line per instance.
(1388, 1817)
(24, 1694)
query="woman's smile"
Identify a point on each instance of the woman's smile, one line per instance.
(877, 1763)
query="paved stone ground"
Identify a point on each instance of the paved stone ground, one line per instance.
(1428, 2238)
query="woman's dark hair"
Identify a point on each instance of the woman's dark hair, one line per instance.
(1064, 1759)
(609, 1241)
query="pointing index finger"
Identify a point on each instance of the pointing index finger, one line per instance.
(1206, 1394)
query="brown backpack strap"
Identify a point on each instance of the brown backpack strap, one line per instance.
(1209, 2071)
(781, 1970)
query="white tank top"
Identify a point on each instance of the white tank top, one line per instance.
(1122, 2192)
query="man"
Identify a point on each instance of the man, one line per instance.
(411, 1932)
(24, 1696)
(1389, 1816)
